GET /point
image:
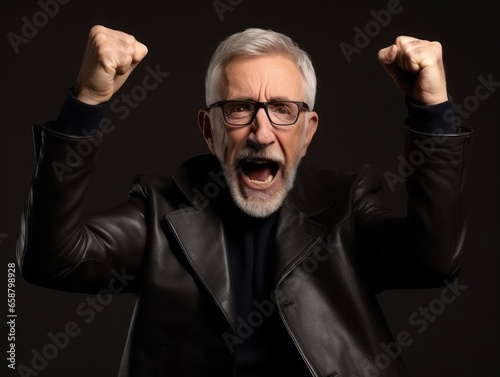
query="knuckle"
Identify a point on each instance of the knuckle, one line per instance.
(127, 50)
(399, 40)
(130, 39)
(102, 47)
(105, 57)
(96, 30)
(100, 39)
(437, 46)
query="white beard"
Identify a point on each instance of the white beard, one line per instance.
(258, 203)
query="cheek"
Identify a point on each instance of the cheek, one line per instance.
(229, 141)
(291, 145)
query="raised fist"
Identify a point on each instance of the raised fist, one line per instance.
(416, 66)
(109, 58)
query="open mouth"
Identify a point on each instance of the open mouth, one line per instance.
(260, 172)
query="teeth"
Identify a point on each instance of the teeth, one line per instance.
(268, 180)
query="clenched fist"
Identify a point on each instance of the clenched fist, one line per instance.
(416, 66)
(109, 58)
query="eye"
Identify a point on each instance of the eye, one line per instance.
(238, 108)
(281, 108)
(284, 110)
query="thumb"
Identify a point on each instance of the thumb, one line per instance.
(139, 51)
(388, 58)
(387, 55)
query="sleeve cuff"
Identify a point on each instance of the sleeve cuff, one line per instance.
(77, 118)
(430, 119)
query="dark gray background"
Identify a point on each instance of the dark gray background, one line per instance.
(361, 113)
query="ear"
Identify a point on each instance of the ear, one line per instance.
(311, 127)
(206, 128)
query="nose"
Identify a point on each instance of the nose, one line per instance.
(261, 131)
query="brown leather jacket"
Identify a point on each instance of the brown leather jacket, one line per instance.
(337, 246)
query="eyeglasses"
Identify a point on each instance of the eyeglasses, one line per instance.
(242, 113)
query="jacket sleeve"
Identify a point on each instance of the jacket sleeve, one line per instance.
(423, 248)
(62, 247)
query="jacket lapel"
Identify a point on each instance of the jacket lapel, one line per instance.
(199, 229)
(297, 233)
(296, 237)
(201, 237)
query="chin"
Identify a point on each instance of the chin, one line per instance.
(255, 200)
(258, 203)
(258, 181)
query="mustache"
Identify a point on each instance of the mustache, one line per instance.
(264, 154)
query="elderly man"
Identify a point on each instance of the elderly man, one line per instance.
(276, 272)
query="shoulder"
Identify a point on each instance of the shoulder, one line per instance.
(146, 183)
(178, 187)
(317, 189)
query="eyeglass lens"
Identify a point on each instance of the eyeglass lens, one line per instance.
(279, 112)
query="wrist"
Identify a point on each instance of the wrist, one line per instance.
(88, 97)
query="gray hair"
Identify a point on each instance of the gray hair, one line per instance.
(259, 42)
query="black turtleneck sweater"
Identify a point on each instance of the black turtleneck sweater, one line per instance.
(268, 350)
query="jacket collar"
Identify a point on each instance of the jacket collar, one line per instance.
(201, 181)
(199, 229)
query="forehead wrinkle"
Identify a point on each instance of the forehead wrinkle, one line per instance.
(249, 87)
(256, 78)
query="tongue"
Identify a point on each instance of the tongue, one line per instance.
(257, 172)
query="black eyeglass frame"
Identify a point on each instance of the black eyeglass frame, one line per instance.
(260, 105)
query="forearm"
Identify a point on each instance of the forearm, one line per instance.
(77, 118)
(422, 248)
(435, 183)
